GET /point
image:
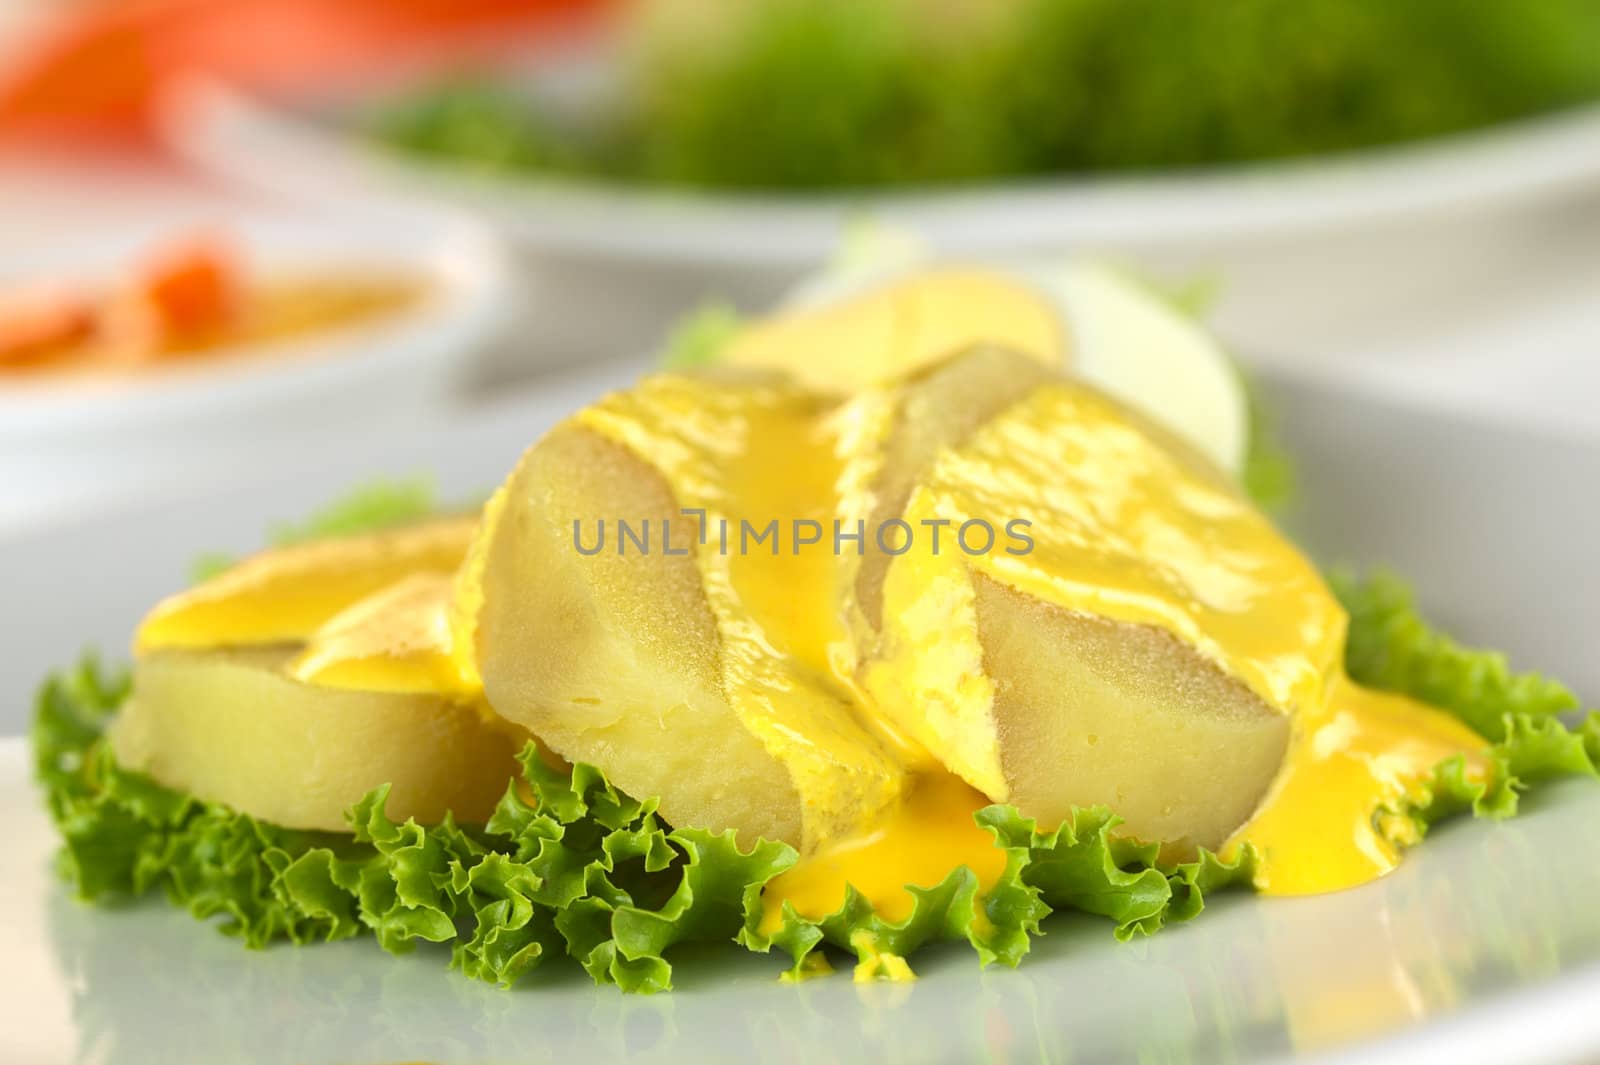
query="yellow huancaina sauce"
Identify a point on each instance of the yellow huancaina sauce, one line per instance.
(1126, 525)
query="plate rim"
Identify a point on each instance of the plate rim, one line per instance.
(208, 121)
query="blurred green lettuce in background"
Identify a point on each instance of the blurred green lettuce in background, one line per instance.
(805, 94)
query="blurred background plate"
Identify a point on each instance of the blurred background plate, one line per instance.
(1356, 260)
(316, 146)
(68, 437)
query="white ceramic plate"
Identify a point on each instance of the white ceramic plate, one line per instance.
(66, 437)
(1484, 946)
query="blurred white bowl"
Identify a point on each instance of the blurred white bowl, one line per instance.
(1306, 247)
(67, 439)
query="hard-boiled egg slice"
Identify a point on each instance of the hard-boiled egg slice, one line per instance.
(883, 306)
(1128, 341)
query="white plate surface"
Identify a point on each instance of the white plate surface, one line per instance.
(1484, 946)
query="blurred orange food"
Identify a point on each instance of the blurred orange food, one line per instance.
(100, 71)
(192, 287)
(39, 322)
(184, 296)
(191, 298)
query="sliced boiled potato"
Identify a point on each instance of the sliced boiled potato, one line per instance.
(1091, 711)
(231, 727)
(701, 676)
(614, 660)
(1144, 648)
(285, 594)
(927, 413)
(466, 595)
(397, 640)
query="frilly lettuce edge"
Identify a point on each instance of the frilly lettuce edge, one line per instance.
(1391, 647)
(1080, 865)
(567, 865)
(570, 866)
(1526, 716)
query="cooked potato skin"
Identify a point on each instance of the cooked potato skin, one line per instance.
(613, 660)
(679, 675)
(1090, 711)
(933, 410)
(229, 726)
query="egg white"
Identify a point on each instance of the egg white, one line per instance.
(1124, 337)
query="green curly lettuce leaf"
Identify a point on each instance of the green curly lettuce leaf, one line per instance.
(843, 94)
(378, 504)
(1080, 865)
(700, 337)
(1268, 474)
(576, 867)
(568, 865)
(1392, 648)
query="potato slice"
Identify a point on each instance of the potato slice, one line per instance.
(1143, 649)
(1088, 710)
(232, 727)
(698, 677)
(610, 660)
(929, 412)
(285, 594)
(397, 640)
